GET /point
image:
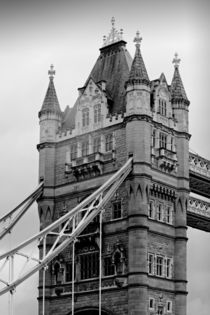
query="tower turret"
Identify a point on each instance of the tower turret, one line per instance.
(50, 113)
(138, 107)
(50, 120)
(179, 98)
(138, 135)
(138, 84)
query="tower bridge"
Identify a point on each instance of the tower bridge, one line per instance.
(114, 200)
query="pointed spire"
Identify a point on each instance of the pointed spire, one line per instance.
(138, 73)
(51, 101)
(178, 93)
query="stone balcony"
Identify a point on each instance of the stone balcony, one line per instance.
(109, 282)
(164, 159)
(90, 165)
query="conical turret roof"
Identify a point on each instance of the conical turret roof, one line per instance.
(50, 102)
(138, 72)
(177, 88)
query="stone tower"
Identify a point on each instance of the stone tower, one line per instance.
(119, 112)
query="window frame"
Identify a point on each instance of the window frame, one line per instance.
(160, 212)
(73, 151)
(151, 263)
(151, 308)
(109, 142)
(159, 266)
(85, 117)
(69, 263)
(97, 113)
(162, 107)
(162, 140)
(168, 268)
(151, 210)
(169, 309)
(97, 144)
(114, 211)
(108, 267)
(85, 148)
(85, 266)
(168, 214)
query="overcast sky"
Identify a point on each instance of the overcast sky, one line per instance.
(34, 34)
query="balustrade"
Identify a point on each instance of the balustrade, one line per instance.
(199, 165)
(199, 206)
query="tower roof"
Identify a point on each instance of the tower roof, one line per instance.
(51, 101)
(138, 73)
(113, 66)
(177, 88)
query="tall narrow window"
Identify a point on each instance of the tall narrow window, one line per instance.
(151, 210)
(89, 265)
(168, 215)
(109, 142)
(153, 138)
(85, 117)
(169, 306)
(151, 303)
(159, 266)
(150, 264)
(97, 145)
(168, 268)
(117, 210)
(162, 107)
(172, 144)
(160, 212)
(97, 113)
(163, 141)
(73, 151)
(85, 148)
(109, 268)
(68, 273)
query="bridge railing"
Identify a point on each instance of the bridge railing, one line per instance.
(198, 206)
(199, 165)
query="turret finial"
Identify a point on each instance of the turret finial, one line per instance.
(176, 60)
(113, 22)
(114, 35)
(137, 39)
(51, 72)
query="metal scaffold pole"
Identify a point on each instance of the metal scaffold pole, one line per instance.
(100, 261)
(11, 293)
(43, 280)
(72, 280)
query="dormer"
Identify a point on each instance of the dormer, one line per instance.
(92, 107)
